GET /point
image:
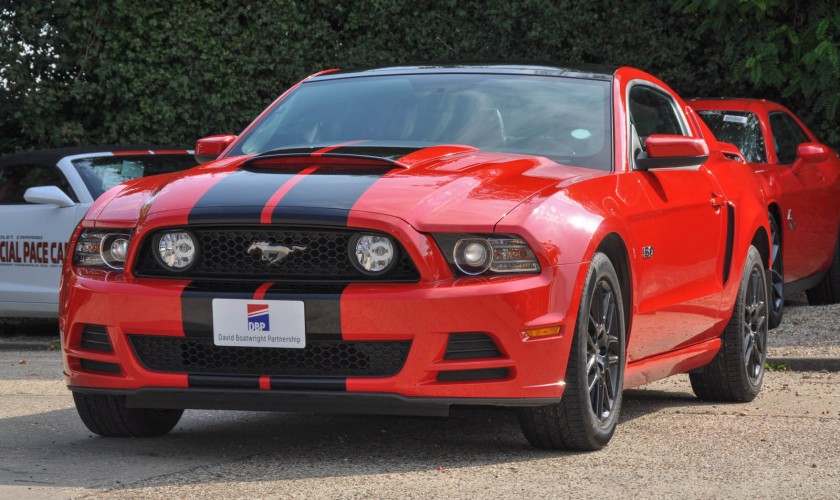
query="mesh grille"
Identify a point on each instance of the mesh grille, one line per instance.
(223, 254)
(333, 358)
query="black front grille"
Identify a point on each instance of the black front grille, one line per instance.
(223, 254)
(327, 358)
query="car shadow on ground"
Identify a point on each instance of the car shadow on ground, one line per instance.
(53, 449)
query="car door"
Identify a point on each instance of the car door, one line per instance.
(805, 198)
(679, 237)
(33, 240)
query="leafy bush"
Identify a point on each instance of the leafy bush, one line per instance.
(115, 71)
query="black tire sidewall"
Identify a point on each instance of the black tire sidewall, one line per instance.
(600, 269)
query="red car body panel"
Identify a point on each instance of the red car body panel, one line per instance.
(804, 195)
(679, 299)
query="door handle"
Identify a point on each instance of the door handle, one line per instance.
(717, 200)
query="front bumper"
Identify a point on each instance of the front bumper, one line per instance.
(529, 371)
(364, 403)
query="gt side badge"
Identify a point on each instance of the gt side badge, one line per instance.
(647, 252)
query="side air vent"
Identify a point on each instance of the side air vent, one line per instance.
(95, 338)
(471, 346)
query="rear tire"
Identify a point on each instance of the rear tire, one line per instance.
(586, 416)
(777, 276)
(828, 291)
(737, 372)
(108, 416)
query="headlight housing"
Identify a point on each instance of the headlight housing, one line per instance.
(105, 248)
(176, 251)
(373, 254)
(482, 254)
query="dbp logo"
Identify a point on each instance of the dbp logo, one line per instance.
(258, 318)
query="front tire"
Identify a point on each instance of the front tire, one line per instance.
(828, 291)
(737, 372)
(586, 416)
(108, 416)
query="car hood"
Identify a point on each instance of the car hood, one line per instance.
(429, 188)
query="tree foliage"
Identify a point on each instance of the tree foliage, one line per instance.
(119, 71)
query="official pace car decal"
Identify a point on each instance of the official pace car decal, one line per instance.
(31, 251)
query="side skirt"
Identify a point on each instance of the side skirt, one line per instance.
(664, 365)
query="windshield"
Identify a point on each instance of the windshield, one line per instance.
(740, 128)
(101, 173)
(565, 119)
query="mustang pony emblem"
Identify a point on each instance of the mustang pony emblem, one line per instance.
(274, 253)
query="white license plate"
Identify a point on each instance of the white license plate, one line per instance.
(259, 323)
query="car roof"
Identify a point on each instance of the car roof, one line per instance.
(588, 71)
(53, 156)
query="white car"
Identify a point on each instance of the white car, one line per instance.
(43, 195)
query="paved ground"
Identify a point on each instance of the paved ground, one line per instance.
(784, 444)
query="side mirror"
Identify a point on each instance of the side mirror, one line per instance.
(812, 151)
(731, 151)
(209, 148)
(48, 195)
(667, 151)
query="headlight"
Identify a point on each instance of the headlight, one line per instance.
(102, 248)
(475, 254)
(473, 257)
(176, 250)
(372, 254)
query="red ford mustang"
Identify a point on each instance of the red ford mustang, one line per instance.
(801, 181)
(406, 239)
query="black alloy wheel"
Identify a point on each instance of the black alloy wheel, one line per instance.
(602, 352)
(777, 276)
(587, 414)
(754, 326)
(737, 371)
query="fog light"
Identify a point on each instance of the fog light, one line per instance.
(372, 253)
(176, 250)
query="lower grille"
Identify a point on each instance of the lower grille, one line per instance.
(327, 358)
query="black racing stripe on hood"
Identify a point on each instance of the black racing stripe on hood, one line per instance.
(197, 305)
(240, 196)
(321, 305)
(327, 195)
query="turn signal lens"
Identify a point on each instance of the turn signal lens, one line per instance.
(543, 332)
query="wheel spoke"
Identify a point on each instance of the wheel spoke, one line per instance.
(609, 311)
(590, 364)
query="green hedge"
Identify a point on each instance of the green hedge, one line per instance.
(118, 71)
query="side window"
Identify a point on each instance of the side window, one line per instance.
(16, 179)
(786, 136)
(653, 112)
